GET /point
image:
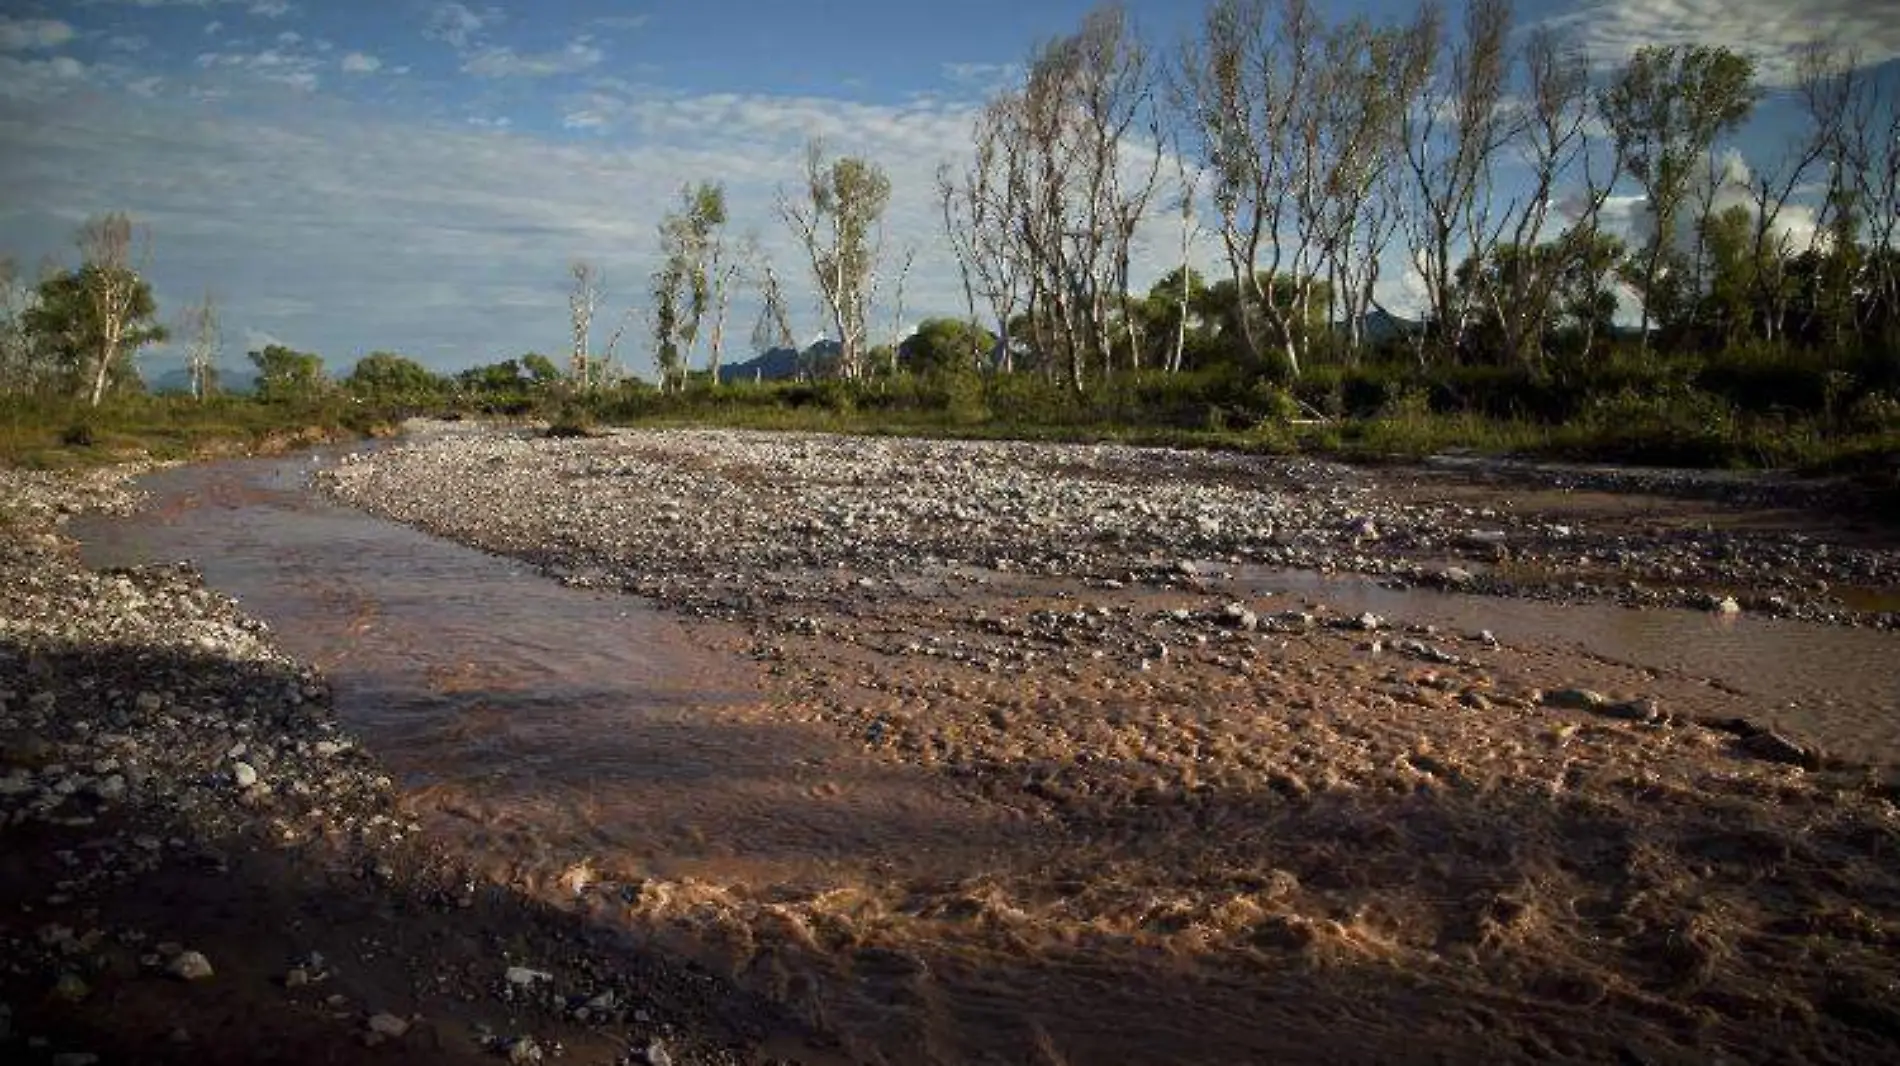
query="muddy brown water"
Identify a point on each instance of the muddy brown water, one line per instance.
(1834, 686)
(561, 735)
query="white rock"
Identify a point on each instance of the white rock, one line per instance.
(521, 976)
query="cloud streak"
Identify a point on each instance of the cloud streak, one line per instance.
(1772, 31)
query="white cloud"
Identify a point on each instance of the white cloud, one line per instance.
(213, 28)
(272, 64)
(418, 231)
(271, 9)
(147, 87)
(360, 63)
(290, 37)
(459, 24)
(497, 61)
(128, 42)
(1772, 31)
(39, 79)
(583, 120)
(31, 35)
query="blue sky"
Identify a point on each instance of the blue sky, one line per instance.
(415, 175)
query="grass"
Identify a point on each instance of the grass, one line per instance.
(56, 434)
(1747, 410)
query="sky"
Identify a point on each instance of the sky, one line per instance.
(415, 176)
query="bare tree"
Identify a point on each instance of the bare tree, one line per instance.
(112, 287)
(1076, 190)
(583, 300)
(1252, 88)
(1354, 203)
(1520, 280)
(204, 341)
(1451, 138)
(724, 268)
(773, 327)
(839, 223)
(981, 220)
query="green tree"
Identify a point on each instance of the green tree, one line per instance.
(541, 370)
(838, 222)
(1665, 109)
(285, 375)
(385, 377)
(65, 331)
(943, 346)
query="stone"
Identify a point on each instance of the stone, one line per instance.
(1455, 575)
(522, 976)
(1639, 710)
(1238, 616)
(244, 774)
(1575, 699)
(1368, 622)
(523, 1051)
(189, 966)
(1725, 605)
(389, 1025)
(656, 1055)
(148, 703)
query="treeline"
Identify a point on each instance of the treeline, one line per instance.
(1484, 159)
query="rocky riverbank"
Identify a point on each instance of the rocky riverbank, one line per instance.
(1239, 825)
(198, 863)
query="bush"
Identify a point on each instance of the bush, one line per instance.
(79, 435)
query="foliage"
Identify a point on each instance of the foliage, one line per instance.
(64, 331)
(285, 375)
(393, 380)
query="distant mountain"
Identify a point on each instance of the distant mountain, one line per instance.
(1378, 327)
(779, 364)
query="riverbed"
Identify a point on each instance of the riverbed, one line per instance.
(1044, 754)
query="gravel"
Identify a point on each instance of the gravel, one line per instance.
(715, 519)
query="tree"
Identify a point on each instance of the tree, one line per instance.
(839, 223)
(692, 278)
(204, 342)
(1074, 195)
(20, 372)
(942, 346)
(1665, 109)
(541, 370)
(583, 299)
(1294, 126)
(112, 287)
(385, 377)
(66, 334)
(285, 375)
(1451, 135)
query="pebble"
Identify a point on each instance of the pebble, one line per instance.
(1575, 699)
(389, 1025)
(522, 976)
(189, 966)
